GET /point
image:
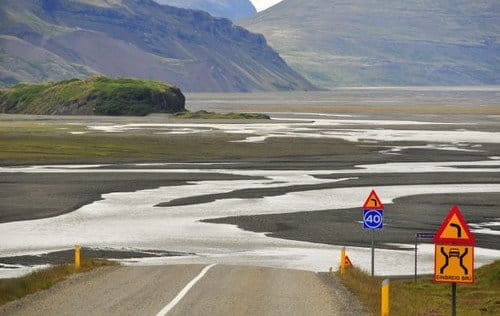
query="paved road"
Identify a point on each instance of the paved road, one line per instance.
(191, 290)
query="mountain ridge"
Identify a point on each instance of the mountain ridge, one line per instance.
(140, 38)
(231, 9)
(389, 43)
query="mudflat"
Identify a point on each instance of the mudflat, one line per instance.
(227, 167)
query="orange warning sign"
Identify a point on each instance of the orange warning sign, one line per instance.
(347, 261)
(454, 229)
(454, 264)
(373, 202)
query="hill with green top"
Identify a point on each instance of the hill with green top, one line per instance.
(94, 96)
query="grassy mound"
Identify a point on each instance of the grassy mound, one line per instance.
(96, 95)
(425, 297)
(218, 116)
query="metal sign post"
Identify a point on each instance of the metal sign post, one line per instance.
(454, 254)
(417, 237)
(373, 219)
(454, 299)
(416, 257)
(373, 252)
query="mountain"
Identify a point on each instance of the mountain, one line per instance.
(231, 9)
(390, 42)
(97, 95)
(60, 39)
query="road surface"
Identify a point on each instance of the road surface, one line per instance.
(191, 290)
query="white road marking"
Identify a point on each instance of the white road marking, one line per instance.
(184, 291)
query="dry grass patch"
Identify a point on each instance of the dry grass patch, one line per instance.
(16, 288)
(97, 148)
(425, 297)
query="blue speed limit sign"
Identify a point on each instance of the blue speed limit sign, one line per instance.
(373, 219)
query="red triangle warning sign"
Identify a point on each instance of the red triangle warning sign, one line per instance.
(373, 202)
(454, 229)
(347, 262)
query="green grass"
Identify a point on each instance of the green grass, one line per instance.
(49, 141)
(20, 96)
(425, 297)
(98, 148)
(97, 95)
(16, 288)
(224, 116)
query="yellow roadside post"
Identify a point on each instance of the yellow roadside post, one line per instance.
(384, 305)
(342, 261)
(77, 258)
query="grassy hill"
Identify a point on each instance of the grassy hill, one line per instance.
(386, 43)
(45, 40)
(97, 95)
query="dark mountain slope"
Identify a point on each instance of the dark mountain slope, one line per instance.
(140, 38)
(390, 42)
(231, 9)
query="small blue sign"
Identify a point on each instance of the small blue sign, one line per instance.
(425, 235)
(373, 219)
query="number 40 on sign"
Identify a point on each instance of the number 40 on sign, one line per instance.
(373, 214)
(373, 219)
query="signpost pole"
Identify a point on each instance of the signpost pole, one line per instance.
(373, 252)
(373, 218)
(416, 245)
(454, 299)
(454, 240)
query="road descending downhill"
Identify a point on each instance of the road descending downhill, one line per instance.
(191, 290)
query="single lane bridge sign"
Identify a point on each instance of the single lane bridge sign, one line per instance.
(454, 264)
(454, 250)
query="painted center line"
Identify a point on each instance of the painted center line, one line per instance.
(184, 291)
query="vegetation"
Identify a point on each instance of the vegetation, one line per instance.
(52, 141)
(425, 297)
(225, 116)
(96, 95)
(13, 289)
(33, 149)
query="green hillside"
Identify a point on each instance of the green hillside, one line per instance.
(97, 95)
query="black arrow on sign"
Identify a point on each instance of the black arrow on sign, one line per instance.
(459, 229)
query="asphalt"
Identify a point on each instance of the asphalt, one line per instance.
(223, 290)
